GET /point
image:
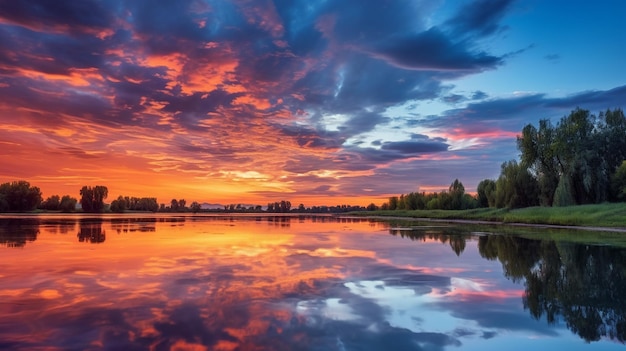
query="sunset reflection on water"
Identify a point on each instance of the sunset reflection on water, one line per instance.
(253, 283)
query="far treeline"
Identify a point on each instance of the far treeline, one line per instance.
(580, 160)
(20, 196)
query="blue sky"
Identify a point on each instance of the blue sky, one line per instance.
(318, 102)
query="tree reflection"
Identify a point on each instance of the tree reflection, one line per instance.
(91, 231)
(582, 284)
(457, 240)
(17, 232)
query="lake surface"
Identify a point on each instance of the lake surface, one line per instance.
(303, 283)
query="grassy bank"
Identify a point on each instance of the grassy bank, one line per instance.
(602, 215)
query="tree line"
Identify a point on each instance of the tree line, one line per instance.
(455, 198)
(580, 160)
(20, 196)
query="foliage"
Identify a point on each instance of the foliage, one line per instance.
(578, 155)
(563, 194)
(372, 207)
(578, 283)
(92, 198)
(486, 193)
(19, 196)
(280, 207)
(195, 207)
(176, 205)
(68, 204)
(118, 205)
(595, 215)
(453, 199)
(52, 203)
(618, 182)
(516, 187)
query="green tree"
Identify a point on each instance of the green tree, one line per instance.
(537, 147)
(516, 187)
(563, 196)
(613, 137)
(578, 155)
(486, 192)
(618, 182)
(456, 192)
(393, 203)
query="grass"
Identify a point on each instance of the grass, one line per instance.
(601, 215)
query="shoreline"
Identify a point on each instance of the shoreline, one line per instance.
(80, 215)
(496, 223)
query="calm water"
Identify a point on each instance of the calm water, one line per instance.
(265, 283)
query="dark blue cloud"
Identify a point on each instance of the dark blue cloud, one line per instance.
(479, 95)
(595, 99)
(413, 147)
(512, 113)
(88, 14)
(433, 50)
(479, 18)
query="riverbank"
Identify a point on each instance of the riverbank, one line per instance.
(609, 215)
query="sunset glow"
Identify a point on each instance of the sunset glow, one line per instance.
(325, 103)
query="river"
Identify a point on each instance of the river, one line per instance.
(200, 282)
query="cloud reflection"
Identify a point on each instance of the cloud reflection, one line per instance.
(243, 284)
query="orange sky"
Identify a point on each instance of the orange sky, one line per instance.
(254, 102)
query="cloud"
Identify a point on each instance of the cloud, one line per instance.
(553, 57)
(479, 95)
(432, 50)
(419, 144)
(286, 89)
(62, 15)
(480, 18)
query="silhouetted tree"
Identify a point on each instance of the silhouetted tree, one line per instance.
(174, 205)
(92, 199)
(118, 205)
(583, 284)
(19, 196)
(195, 207)
(67, 204)
(51, 203)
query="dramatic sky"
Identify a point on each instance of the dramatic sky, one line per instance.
(317, 102)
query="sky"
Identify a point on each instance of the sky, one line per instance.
(317, 102)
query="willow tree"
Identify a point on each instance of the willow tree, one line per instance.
(575, 158)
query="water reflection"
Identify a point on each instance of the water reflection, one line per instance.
(18, 232)
(91, 231)
(581, 284)
(584, 285)
(298, 283)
